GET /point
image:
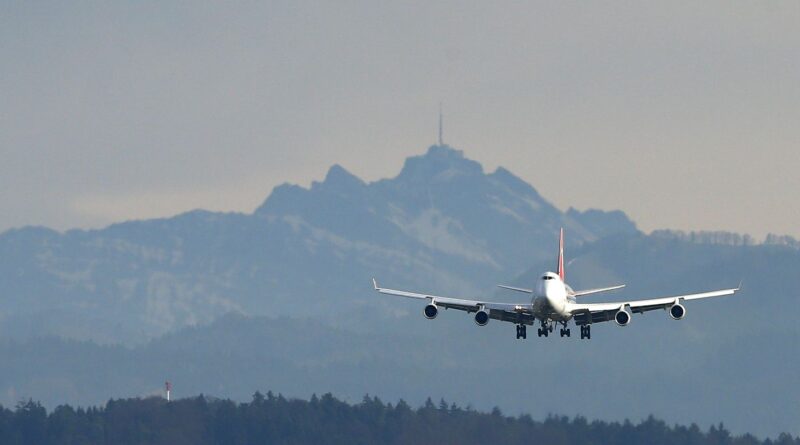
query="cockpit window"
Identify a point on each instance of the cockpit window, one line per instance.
(547, 277)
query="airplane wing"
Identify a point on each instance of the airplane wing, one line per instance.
(599, 312)
(511, 312)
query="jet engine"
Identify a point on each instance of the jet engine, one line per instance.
(622, 317)
(481, 317)
(677, 311)
(431, 311)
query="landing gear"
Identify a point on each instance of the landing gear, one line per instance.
(564, 329)
(586, 332)
(522, 332)
(546, 329)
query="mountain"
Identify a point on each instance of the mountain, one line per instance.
(281, 299)
(442, 224)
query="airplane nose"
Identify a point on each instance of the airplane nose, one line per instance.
(549, 294)
(541, 289)
(553, 296)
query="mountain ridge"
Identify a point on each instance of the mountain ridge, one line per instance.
(442, 219)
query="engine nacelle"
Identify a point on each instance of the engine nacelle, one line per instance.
(481, 317)
(677, 311)
(622, 317)
(431, 311)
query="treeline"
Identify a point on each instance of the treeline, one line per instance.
(723, 238)
(710, 237)
(274, 419)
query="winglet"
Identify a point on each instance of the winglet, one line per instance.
(739, 287)
(374, 284)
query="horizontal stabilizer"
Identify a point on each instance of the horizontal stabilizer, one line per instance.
(517, 289)
(580, 293)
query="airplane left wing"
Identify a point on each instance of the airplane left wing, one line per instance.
(597, 312)
(515, 313)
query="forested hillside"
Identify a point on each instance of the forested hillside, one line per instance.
(275, 419)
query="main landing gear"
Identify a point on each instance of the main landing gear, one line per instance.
(522, 332)
(548, 327)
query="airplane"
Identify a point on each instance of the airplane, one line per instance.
(554, 302)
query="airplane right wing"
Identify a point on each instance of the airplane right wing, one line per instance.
(521, 313)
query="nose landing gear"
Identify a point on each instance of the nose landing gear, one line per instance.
(545, 330)
(565, 332)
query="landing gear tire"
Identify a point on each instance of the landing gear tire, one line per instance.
(543, 332)
(586, 332)
(522, 331)
(564, 332)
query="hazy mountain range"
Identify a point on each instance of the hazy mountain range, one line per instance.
(294, 279)
(441, 222)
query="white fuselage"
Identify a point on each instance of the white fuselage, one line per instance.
(551, 298)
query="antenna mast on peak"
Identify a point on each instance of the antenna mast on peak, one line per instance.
(441, 141)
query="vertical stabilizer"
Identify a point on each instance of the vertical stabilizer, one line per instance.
(561, 255)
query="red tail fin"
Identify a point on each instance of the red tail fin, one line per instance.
(561, 255)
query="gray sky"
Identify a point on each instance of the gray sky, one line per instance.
(683, 114)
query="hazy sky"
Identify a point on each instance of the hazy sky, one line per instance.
(683, 114)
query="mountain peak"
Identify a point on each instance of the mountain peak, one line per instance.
(340, 178)
(441, 161)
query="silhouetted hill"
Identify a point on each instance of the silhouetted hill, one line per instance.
(677, 370)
